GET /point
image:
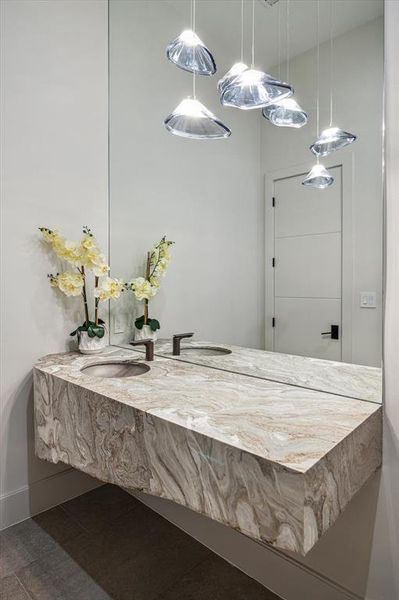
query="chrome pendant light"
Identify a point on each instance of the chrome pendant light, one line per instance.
(285, 112)
(330, 140)
(235, 70)
(333, 138)
(191, 119)
(318, 177)
(189, 53)
(252, 88)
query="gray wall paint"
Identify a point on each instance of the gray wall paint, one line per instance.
(54, 173)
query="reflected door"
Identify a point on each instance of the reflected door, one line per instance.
(307, 268)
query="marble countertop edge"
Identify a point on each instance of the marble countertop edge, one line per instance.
(93, 384)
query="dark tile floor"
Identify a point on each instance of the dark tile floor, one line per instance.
(107, 545)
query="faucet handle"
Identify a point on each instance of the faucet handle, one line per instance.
(177, 338)
(149, 347)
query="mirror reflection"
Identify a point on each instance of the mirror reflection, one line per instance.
(249, 134)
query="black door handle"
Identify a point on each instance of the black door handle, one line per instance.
(334, 332)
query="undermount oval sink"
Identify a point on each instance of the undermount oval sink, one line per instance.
(204, 351)
(116, 369)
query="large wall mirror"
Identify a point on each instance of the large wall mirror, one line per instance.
(260, 260)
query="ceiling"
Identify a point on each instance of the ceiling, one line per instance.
(221, 20)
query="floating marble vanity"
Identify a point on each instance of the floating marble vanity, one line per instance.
(345, 379)
(278, 463)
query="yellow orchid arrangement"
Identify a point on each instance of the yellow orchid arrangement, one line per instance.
(84, 256)
(145, 288)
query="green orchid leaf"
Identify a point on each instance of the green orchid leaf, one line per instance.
(154, 324)
(139, 322)
(100, 332)
(92, 329)
(80, 328)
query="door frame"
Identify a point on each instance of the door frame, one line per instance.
(347, 249)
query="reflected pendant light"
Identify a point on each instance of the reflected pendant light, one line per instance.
(285, 112)
(191, 119)
(252, 88)
(333, 138)
(318, 177)
(189, 53)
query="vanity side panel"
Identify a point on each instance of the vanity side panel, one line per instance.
(88, 431)
(332, 483)
(135, 450)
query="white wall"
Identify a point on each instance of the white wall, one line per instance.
(204, 195)
(54, 173)
(357, 107)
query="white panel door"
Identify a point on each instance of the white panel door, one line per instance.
(307, 267)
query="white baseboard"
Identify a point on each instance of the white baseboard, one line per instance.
(280, 573)
(44, 494)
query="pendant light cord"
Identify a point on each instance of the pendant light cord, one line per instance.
(318, 70)
(288, 38)
(279, 40)
(193, 29)
(242, 31)
(192, 19)
(331, 58)
(253, 34)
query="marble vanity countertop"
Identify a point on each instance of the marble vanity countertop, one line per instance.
(345, 379)
(277, 462)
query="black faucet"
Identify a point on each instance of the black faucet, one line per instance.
(177, 338)
(149, 348)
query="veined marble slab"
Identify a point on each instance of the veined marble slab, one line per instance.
(278, 463)
(354, 381)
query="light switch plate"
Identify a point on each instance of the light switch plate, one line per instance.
(368, 299)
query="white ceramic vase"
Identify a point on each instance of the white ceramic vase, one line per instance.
(145, 333)
(91, 345)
